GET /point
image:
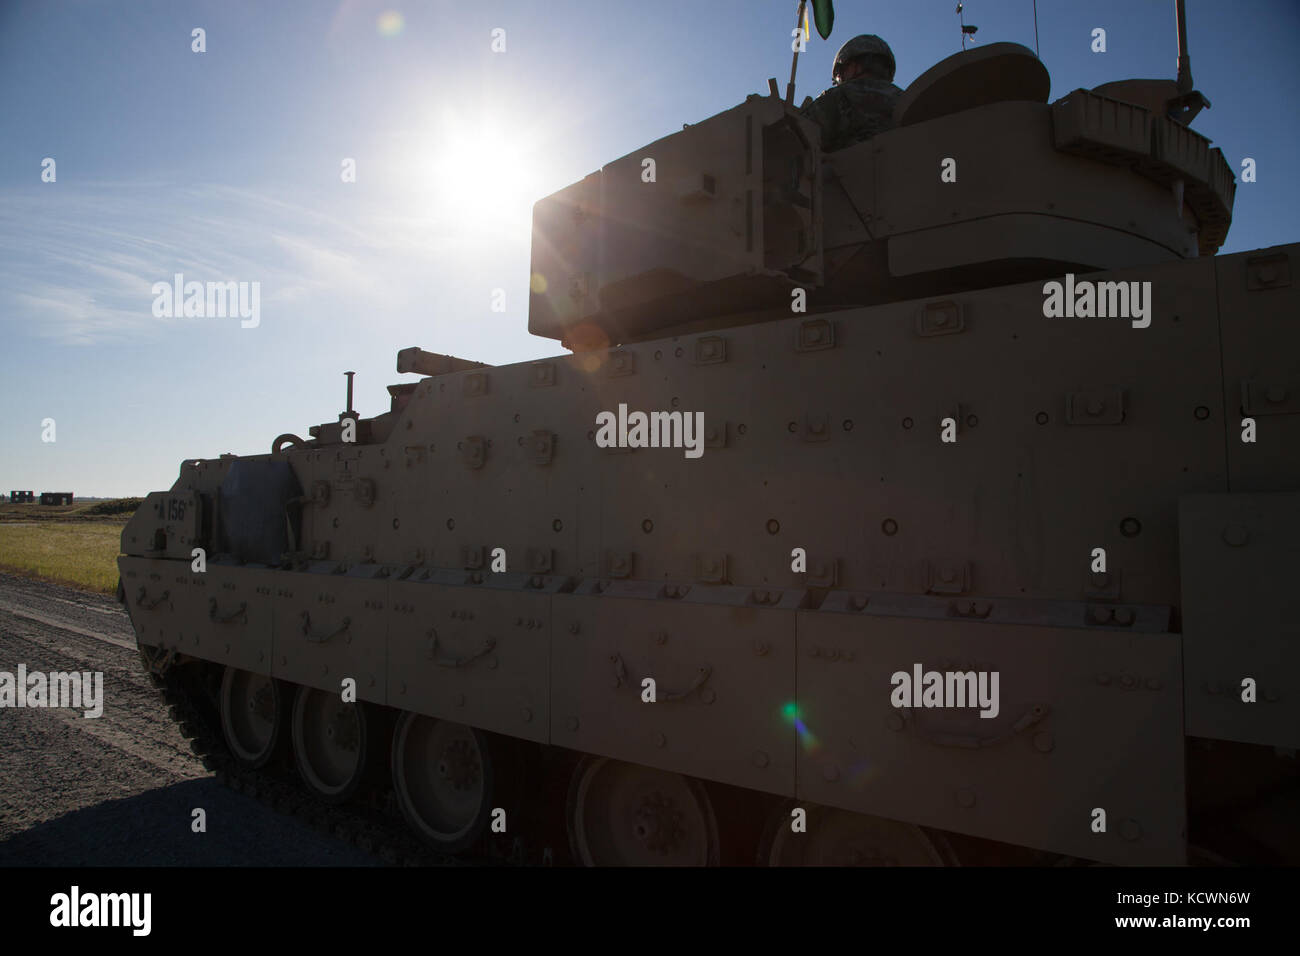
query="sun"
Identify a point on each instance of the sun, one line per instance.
(484, 173)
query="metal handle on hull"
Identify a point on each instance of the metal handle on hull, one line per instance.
(488, 645)
(277, 446)
(973, 741)
(702, 676)
(322, 638)
(227, 618)
(150, 605)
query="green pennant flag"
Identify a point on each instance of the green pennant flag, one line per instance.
(824, 17)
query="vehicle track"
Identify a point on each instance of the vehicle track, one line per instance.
(120, 789)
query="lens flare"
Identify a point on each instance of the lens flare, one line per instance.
(390, 23)
(861, 773)
(806, 737)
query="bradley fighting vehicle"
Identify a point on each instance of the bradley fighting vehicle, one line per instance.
(909, 461)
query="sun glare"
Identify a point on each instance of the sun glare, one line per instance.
(486, 174)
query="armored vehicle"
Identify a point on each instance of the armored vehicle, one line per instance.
(931, 500)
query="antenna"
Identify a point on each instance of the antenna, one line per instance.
(794, 64)
(1185, 84)
(1036, 53)
(1189, 101)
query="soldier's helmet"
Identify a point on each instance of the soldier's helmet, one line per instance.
(878, 57)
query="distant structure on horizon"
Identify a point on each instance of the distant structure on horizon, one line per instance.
(55, 497)
(22, 497)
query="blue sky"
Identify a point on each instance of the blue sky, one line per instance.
(225, 165)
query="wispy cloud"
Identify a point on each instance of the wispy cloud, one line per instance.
(77, 263)
(74, 316)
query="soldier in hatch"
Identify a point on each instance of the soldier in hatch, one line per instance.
(861, 103)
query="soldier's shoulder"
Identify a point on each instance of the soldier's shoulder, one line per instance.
(827, 102)
(827, 95)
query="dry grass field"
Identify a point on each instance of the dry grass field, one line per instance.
(73, 544)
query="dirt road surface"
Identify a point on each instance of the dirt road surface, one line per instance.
(120, 789)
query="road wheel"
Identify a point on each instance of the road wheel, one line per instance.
(444, 775)
(334, 743)
(623, 814)
(836, 837)
(252, 716)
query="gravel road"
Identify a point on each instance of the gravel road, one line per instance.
(120, 789)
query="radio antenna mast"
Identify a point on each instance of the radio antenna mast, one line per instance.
(1189, 101)
(794, 64)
